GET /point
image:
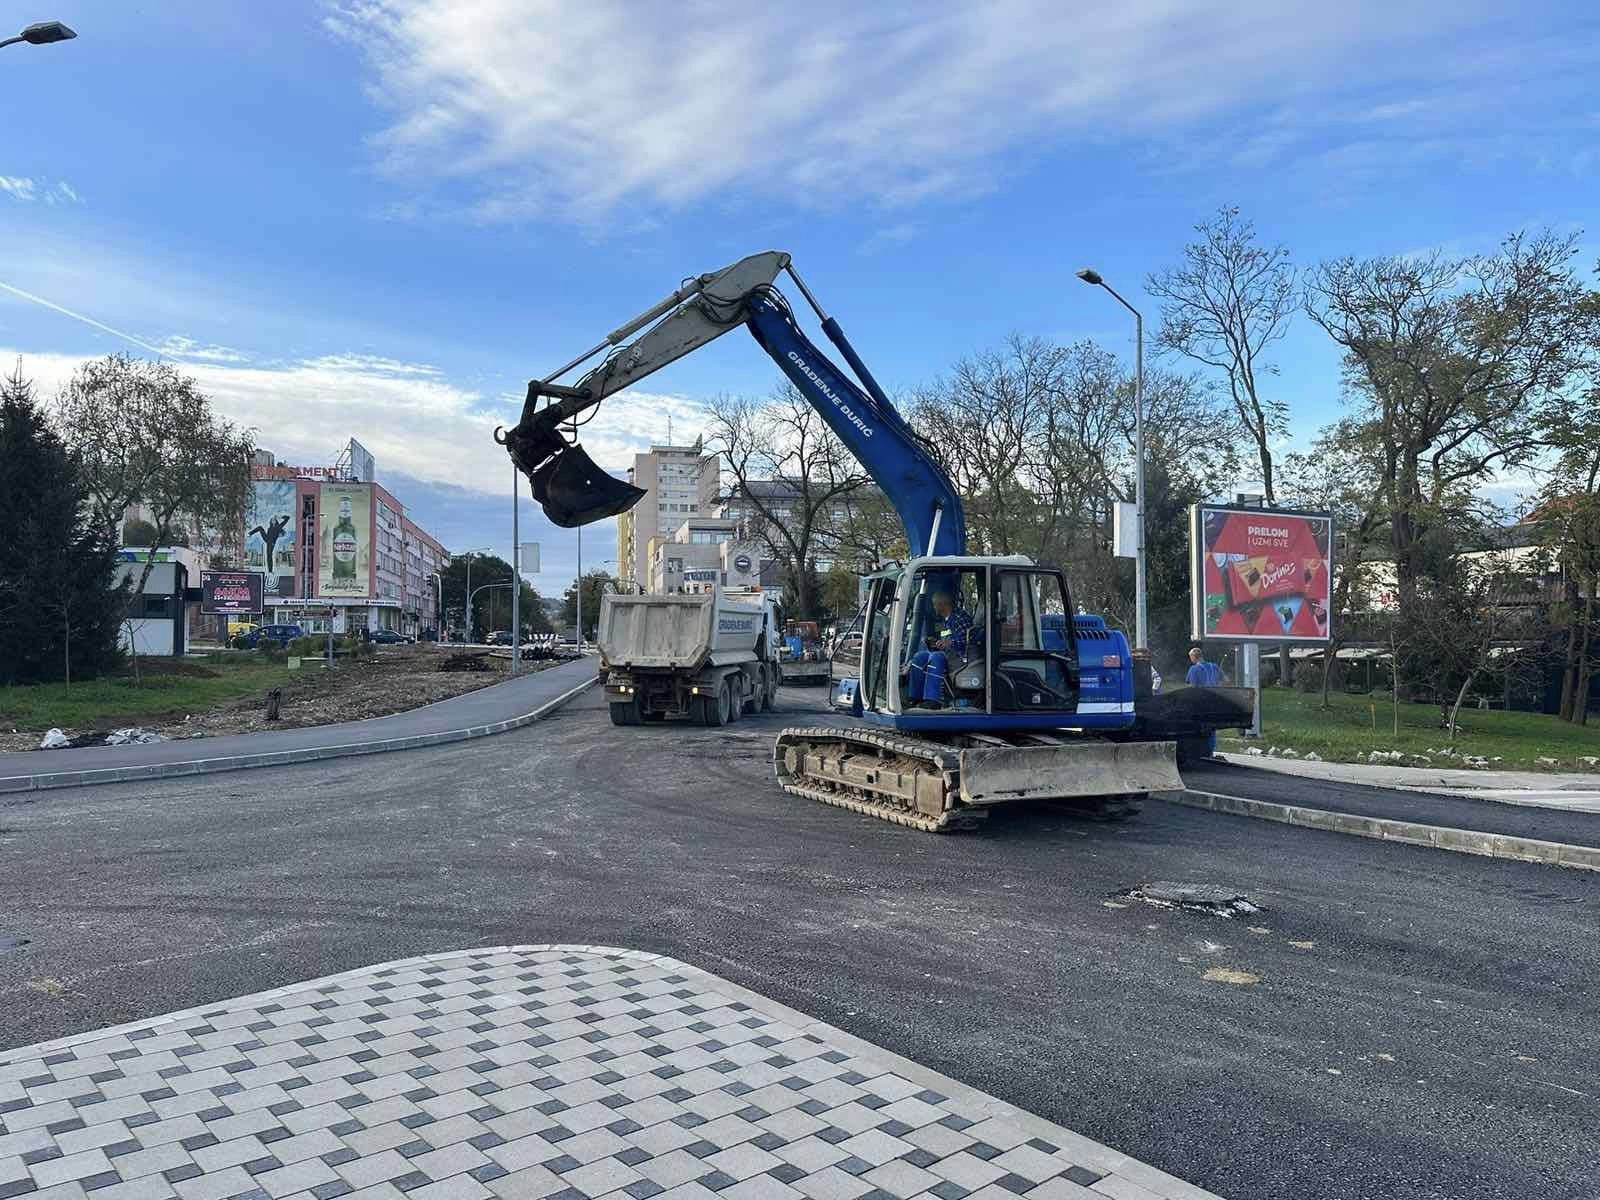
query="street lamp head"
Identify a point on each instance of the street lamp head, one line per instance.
(46, 32)
(1090, 276)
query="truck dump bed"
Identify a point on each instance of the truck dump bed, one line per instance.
(677, 632)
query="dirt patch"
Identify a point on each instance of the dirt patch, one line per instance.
(394, 680)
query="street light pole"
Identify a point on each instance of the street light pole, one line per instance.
(41, 34)
(516, 575)
(469, 554)
(1141, 612)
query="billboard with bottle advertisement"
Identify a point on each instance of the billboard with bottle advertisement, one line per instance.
(344, 540)
(269, 540)
(1261, 574)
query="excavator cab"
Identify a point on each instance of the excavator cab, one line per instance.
(967, 643)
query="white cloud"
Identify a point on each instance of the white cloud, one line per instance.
(413, 420)
(18, 187)
(526, 108)
(177, 346)
(21, 187)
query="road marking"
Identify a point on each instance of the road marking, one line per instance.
(1412, 833)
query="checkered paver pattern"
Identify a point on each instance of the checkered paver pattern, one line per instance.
(539, 1071)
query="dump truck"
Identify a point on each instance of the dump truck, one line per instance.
(711, 656)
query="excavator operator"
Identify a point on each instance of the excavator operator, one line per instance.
(953, 633)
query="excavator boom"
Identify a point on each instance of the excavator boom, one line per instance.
(565, 480)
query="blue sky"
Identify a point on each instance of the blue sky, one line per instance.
(381, 219)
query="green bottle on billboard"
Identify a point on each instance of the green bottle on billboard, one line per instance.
(344, 545)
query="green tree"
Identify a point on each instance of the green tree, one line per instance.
(139, 533)
(840, 591)
(491, 607)
(1453, 366)
(59, 605)
(594, 586)
(145, 434)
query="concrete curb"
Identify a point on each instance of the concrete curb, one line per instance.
(1411, 833)
(278, 758)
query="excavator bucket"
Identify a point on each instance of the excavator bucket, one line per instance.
(574, 491)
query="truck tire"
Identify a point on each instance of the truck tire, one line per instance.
(735, 686)
(714, 708)
(769, 687)
(625, 712)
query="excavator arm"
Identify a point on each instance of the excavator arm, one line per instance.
(574, 491)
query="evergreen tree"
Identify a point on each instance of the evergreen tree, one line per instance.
(59, 607)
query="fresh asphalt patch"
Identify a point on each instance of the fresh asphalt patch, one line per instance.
(1390, 1020)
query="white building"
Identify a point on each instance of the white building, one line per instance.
(680, 483)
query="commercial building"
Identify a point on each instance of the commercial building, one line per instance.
(702, 553)
(337, 550)
(679, 482)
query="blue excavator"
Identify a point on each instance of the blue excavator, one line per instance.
(979, 684)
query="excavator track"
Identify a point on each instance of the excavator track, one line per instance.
(879, 773)
(918, 782)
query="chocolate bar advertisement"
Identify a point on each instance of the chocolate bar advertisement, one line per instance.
(1261, 575)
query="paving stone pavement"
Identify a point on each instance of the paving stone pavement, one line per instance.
(528, 1071)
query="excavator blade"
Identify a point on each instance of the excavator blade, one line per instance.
(574, 491)
(998, 774)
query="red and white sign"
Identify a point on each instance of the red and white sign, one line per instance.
(1261, 575)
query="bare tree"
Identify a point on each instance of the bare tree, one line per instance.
(981, 424)
(784, 441)
(145, 434)
(1223, 305)
(1450, 362)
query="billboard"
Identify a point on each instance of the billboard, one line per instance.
(1261, 574)
(344, 540)
(230, 592)
(269, 541)
(362, 464)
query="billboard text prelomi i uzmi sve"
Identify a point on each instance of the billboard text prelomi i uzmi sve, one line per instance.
(1261, 575)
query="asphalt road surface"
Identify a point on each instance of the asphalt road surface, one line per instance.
(1420, 1024)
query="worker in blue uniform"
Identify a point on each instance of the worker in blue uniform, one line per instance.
(1204, 674)
(1201, 672)
(952, 636)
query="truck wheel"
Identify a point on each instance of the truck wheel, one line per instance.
(625, 712)
(769, 686)
(714, 709)
(735, 698)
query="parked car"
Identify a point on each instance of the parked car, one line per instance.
(500, 637)
(389, 637)
(281, 634)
